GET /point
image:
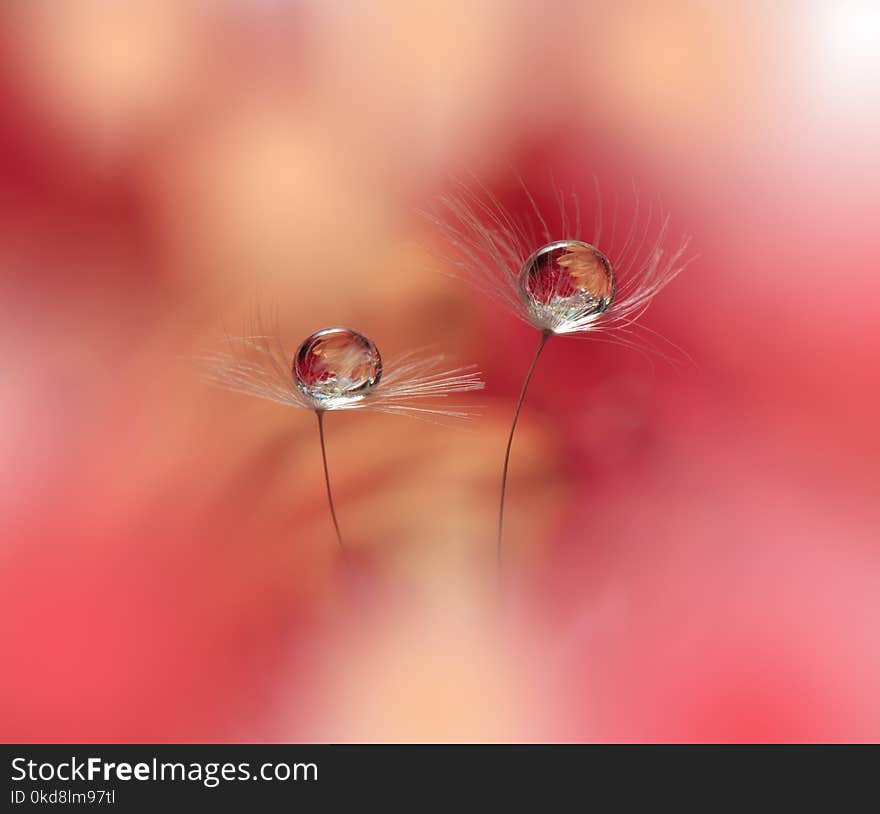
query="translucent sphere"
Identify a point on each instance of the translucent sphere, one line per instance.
(566, 283)
(336, 365)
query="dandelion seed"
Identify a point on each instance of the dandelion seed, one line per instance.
(340, 369)
(560, 284)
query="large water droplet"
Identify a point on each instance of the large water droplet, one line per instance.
(336, 366)
(565, 283)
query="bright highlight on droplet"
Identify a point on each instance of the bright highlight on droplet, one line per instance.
(336, 365)
(567, 283)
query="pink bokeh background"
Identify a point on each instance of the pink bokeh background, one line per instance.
(693, 547)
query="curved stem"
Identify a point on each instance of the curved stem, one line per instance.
(320, 415)
(545, 335)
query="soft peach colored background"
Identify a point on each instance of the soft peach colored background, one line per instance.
(694, 550)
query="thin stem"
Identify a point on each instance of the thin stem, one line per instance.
(545, 335)
(320, 415)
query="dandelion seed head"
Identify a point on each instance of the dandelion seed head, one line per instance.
(549, 273)
(336, 366)
(340, 369)
(565, 285)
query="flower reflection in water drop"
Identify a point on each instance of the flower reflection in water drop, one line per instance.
(567, 285)
(336, 365)
(340, 369)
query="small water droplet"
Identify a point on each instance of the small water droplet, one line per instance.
(336, 366)
(565, 283)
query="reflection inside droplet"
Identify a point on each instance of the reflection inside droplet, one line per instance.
(567, 282)
(336, 364)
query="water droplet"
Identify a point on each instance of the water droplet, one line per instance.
(566, 283)
(336, 366)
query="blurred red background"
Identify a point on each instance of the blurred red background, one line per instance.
(694, 549)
